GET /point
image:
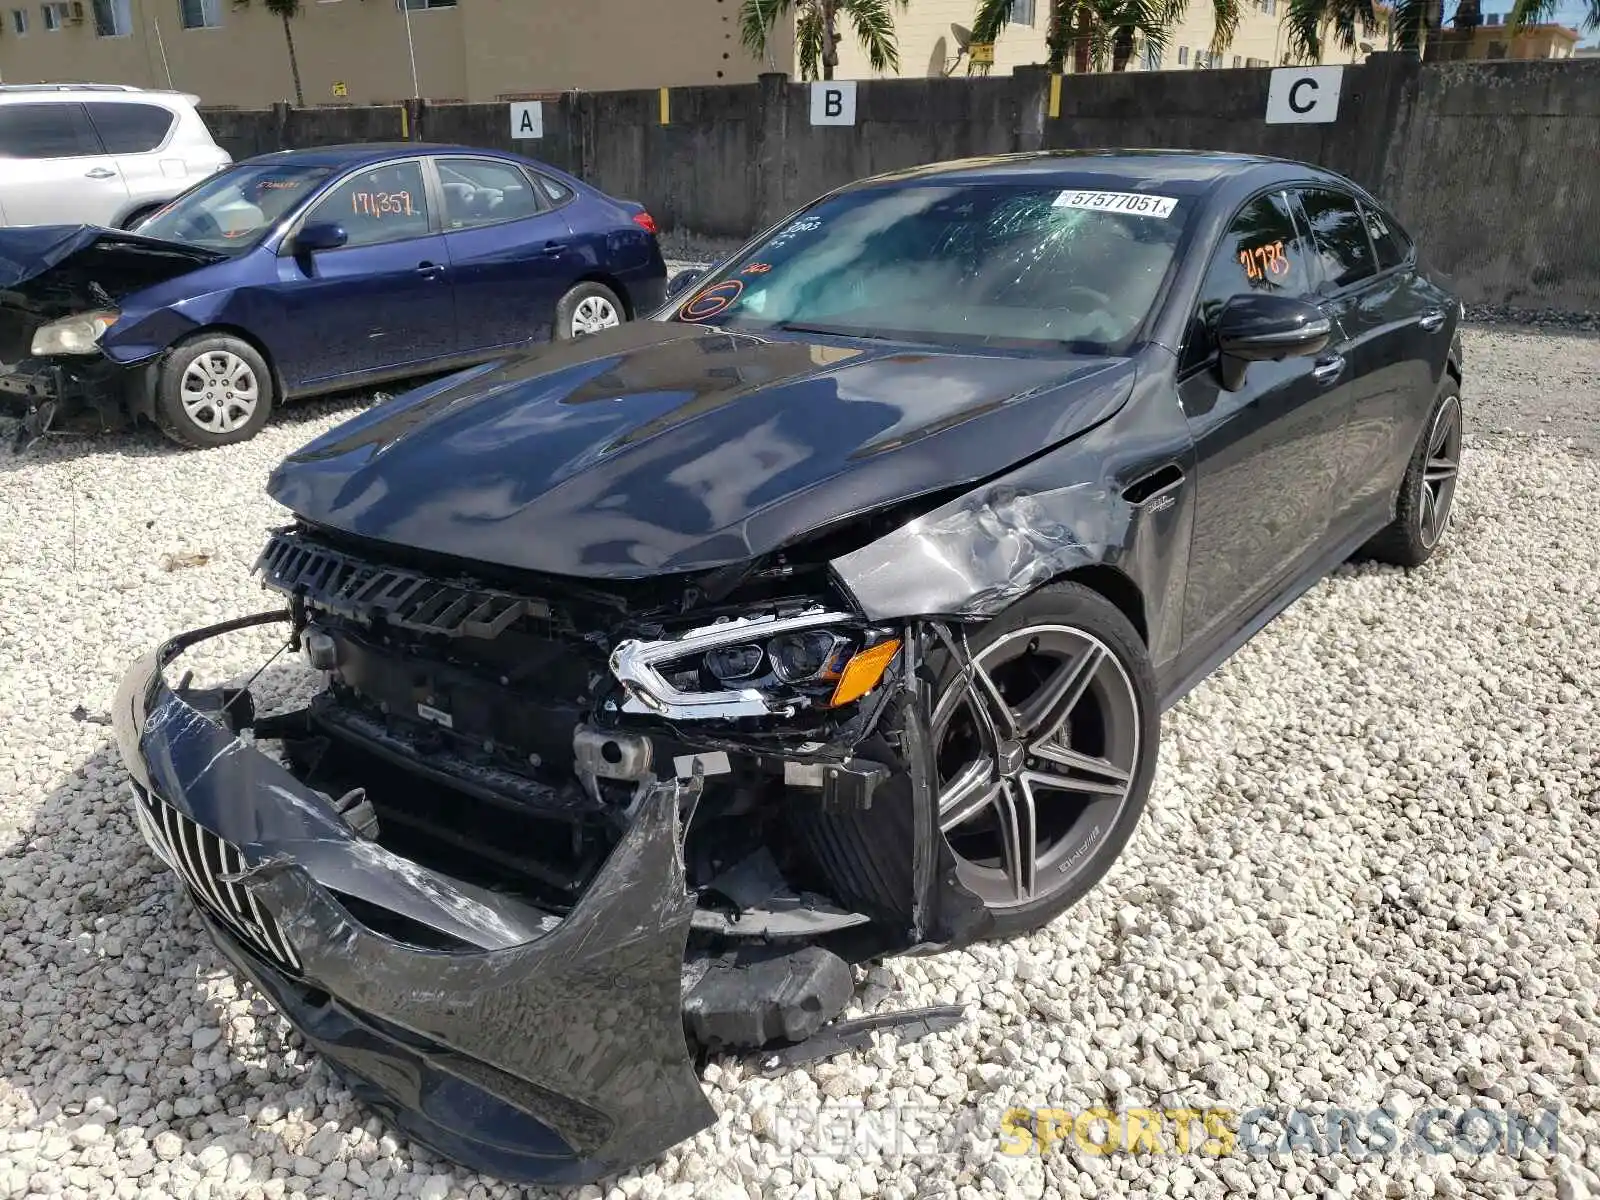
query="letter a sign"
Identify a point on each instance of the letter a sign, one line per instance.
(833, 103)
(527, 119)
(1304, 95)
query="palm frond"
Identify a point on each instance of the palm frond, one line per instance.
(283, 8)
(874, 26)
(756, 19)
(808, 44)
(1410, 21)
(990, 19)
(1225, 23)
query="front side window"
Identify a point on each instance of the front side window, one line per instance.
(999, 265)
(480, 192)
(1341, 236)
(386, 204)
(200, 14)
(46, 131)
(113, 18)
(234, 209)
(1262, 251)
(130, 128)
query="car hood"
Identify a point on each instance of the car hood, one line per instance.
(664, 447)
(67, 268)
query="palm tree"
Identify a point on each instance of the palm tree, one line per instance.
(1534, 12)
(1415, 24)
(817, 31)
(1097, 30)
(286, 9)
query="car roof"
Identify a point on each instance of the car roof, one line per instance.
(1179, 172)
(32, 93)
(356, 154)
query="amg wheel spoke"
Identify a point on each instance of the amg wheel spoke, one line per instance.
(990, 707)
(1440, 469)
(968, 794)
(1079, 772)
(1429, 508)
(1018, 836)
(1055, 701)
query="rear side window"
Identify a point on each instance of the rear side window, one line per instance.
(1262, 251)
(478, 191)
(559, 193)
(46, 131)
(1341, 236)
(131, 128)
(1389, 241)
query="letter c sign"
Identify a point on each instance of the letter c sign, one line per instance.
(1304, 95)
(833, 103)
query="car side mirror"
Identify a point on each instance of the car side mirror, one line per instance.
(682, 281)
(1256, 328)
(320, 235)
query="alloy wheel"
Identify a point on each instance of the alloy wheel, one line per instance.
(220, 391)
(593, 314)
(1037, 746)
(1439, 472)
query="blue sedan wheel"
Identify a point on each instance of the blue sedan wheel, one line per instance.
(587, 309)
(213, 390)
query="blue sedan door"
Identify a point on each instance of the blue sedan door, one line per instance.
(382, 302)
(511, 252)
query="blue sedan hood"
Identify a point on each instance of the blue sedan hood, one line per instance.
(662, 447)
(29, 251)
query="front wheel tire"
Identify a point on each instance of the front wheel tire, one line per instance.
(1044, 761)
(213, 390)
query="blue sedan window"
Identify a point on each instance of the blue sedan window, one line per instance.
(235, 209)
(479, 191)
(386, 204)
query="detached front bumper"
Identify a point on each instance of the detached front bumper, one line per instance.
(552, 1051)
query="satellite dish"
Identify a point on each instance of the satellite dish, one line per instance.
(963, 37)
(1364, 47)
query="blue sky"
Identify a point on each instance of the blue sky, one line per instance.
(1570, 13)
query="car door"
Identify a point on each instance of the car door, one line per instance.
(53, 169)
(380, 303)
(510, 251)
(1377, 311)
(1267, 454)
(134, 133)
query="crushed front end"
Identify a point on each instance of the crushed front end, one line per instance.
(533, 845)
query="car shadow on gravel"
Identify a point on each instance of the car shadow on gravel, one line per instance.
(134, 1052)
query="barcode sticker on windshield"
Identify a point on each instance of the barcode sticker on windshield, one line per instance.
(1138, 203)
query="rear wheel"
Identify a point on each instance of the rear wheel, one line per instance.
(1427, 494)
(588, 308)
(213, 390)
(1044, 759)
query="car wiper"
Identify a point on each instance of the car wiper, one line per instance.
(834, 331)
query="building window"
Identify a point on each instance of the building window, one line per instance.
(54, 16)
(113, 18)
(415, 5)
(1022, 12)
(1237, 61)
(200, 14)
(19, 21)
(1150, 57)
(1183, 56)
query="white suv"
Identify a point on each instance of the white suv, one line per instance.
(98, 154)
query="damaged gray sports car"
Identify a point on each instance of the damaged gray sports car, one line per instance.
(829, 615)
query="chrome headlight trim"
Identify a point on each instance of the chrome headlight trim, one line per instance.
(635, 664)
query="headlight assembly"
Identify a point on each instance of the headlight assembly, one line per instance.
(754, 667)
(78, 334)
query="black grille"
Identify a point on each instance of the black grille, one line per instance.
(338, 583)
(201, 858)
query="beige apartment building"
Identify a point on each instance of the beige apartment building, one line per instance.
(233, 52)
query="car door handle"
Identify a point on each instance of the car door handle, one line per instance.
(1328, 370)
(429, 270)
(553, 249)
(100, 173)
(1433, 320)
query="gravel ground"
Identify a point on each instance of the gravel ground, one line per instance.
(1369, 874)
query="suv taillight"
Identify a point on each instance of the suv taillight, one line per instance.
(645, 222)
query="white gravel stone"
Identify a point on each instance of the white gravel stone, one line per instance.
(1370, 874)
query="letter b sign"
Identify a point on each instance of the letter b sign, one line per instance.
(833, 103)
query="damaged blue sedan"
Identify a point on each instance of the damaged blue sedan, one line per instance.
(669, 674)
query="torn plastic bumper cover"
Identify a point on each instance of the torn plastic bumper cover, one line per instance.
(552, 1052)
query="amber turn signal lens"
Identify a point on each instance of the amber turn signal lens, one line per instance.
(862, 673)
